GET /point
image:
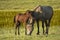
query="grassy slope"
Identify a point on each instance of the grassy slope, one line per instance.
(27, 4)
(8, 34)
(8, 17)
(7, 28)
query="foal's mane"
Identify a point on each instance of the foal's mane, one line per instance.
(20, 13)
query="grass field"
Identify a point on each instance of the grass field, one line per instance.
(9, 8)
(8, 34)
(27, 4)
(7, 28)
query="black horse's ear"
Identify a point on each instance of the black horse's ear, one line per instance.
(29, 11)
(39, 5)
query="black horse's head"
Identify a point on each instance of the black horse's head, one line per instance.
(29, 25)
(31, 12)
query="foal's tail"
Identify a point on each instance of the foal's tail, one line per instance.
(14, 18)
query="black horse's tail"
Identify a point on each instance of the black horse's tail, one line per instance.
(14, 18)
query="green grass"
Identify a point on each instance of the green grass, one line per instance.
(27, 4)
(8, 34)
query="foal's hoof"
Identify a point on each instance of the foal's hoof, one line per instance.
(15, 34)
(46, 35)
(18, 33)
(25, 33)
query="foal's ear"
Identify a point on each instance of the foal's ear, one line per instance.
(28, 11)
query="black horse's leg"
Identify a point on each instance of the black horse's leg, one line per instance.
(47, 26)
(43, 26)
(37, 27)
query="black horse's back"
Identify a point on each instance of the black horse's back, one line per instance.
(47, 12)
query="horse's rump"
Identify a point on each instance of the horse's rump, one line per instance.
(47, 11)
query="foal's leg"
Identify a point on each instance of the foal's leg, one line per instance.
(15, 30)
(25, 30)
(18, 29)
(37, 27)
(17, 25)
(43, 26)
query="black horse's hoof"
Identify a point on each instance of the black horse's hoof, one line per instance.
(25, 34)
(37, 33)
(29, 34)
(46, 33)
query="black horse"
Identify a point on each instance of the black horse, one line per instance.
(44, 14)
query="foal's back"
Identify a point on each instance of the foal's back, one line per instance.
(22, 17)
